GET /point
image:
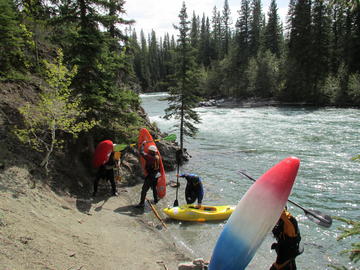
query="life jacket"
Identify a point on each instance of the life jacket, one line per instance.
(291, 228)
(287, 229)
(117, 155)
(152, 163)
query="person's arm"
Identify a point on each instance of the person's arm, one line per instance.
(200, 193)
(157, 163)
(142, 152)
(117, 163)
(278, 229)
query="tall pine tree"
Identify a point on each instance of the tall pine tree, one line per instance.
(183, 97)
(320, 43)
(273, 31)
(12, 40)
(226, 29)
(299, 66)
(255, 27)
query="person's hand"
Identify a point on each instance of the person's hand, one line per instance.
(177, 175)
(198, 205)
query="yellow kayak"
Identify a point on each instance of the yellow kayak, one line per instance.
(190, 212)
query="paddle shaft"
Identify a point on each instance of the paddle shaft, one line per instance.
(176, 202)
(156, 213)
(171, 137)
(325, 222)
(178, 157)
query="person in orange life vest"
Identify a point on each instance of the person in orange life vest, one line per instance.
(287, 235)
(152, 160)
(106, 171)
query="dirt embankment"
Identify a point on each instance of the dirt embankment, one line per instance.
(41, 230)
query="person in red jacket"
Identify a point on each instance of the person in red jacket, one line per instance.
(152, 160)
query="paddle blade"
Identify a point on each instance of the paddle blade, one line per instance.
(171, 137)
(119, 147)
(319, 218)
(176, 203)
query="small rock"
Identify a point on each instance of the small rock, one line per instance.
(185, 266)
(25, 239)
(197, 264)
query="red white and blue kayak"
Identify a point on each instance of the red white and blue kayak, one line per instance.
(254, 216)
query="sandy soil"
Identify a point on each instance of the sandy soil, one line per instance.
(42, 230)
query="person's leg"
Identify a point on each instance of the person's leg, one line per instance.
(144, 190)
(110, 177)
(190, 196)
(98, 176)
(96, 183)
(153, 187)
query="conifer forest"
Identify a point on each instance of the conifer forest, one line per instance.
(311, 58)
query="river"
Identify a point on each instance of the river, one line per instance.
(255, 139)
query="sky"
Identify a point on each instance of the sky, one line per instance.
(161, 15)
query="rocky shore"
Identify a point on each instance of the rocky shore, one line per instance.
(247, 103)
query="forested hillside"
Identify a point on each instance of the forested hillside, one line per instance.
(313, 57)
(78, 61)
(87, 59)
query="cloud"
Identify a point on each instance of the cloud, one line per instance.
(161, 15)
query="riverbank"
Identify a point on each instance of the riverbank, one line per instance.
(250, 103)
(42, 230)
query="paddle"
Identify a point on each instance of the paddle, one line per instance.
(176, 202)
(156, 213)
(314, 215)
(120, 147)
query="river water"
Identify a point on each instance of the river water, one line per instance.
(254, 140)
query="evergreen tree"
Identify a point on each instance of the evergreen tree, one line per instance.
(168, 62)
(225, 25)
(240, 55)
(289, 18)
(12, 41)
(154, 61)
(137, 56)
(354, 63)
(195, 32)
(273, 32)
(145, 68)
(320, 43)
(299, 84)
(242, 38)
(338, 36)
(204, 43)
(216, 35)
(87, 53)
(115, 10)
(255, 27)
(183, 97)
